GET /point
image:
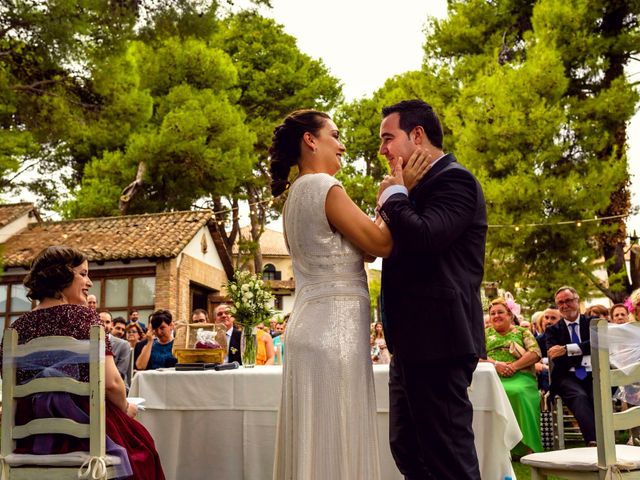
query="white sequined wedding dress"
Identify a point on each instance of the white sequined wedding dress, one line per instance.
(327, 420)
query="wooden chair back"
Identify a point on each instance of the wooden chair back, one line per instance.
(604, 378)
(95, 430)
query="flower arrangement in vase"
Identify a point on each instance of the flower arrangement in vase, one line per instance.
(250, 305)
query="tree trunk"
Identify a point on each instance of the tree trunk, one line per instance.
(257, 219)
(613, 244)
(634, 266)
(130, 190)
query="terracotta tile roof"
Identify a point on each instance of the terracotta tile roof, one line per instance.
(158, 235)
(271, 243)
(13, 211)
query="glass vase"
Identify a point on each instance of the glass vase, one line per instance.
(248, 347)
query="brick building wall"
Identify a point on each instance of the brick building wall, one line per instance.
(167, 286)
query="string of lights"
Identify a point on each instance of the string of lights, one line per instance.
(516, 227)
(577, 223)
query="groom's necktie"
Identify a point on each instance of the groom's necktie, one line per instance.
(581, 372)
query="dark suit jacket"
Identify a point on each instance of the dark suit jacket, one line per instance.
(559, 334)
(431, 280)
(542, 343)
(234, 343)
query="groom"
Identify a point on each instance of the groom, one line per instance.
(431, 298)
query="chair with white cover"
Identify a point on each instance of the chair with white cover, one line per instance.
(608, 460)
(94, 464)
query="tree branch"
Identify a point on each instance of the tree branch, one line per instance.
(29, 88)
(130, 190)
(599, 284)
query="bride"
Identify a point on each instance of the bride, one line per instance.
(327, 418)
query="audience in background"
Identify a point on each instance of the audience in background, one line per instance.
(134, 334)
(549, 317)
(92, 302)
(155, 350)
(278, 343)
(272, 327)
(513, 350)
(634, 303)
(266, 352)
(120, 348)
(535, 322)
(134, 317)
(199, 316)
(223, 315)
(569, 348)
(597, 311)
(619, 314)
(379, 352)
(119, 327)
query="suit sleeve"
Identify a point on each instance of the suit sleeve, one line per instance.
(123, 358)
(450, 207)
(553, 338)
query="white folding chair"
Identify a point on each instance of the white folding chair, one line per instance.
(94, 464)
(608, 460)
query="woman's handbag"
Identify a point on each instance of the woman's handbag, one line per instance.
(518, 351)
(546, 421)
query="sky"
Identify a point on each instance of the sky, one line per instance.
(365, 42)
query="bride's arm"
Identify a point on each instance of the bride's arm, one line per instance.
(355, 225)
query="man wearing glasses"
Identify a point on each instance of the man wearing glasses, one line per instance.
(569, 350)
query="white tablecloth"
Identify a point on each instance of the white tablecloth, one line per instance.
(224, 422)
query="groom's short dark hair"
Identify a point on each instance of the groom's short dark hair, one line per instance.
(415, 113)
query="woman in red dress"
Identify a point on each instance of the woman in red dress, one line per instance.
(59, 280)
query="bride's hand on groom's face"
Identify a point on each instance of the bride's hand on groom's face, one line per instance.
(394, 179)
(417, 166)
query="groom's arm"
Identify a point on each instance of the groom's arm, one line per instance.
(449, 210)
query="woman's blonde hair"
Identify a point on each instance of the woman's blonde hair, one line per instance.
(503, 302)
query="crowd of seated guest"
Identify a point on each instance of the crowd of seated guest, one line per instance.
(563, 367)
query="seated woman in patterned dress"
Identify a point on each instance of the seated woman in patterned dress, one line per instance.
(514, 350)
(59, 281)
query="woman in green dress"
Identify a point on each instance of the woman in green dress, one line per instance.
(514, 351)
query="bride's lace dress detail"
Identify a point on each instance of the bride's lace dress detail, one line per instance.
(327, 419)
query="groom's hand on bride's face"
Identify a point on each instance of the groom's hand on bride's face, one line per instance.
(417, 166)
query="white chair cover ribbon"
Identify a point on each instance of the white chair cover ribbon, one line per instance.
(93, 468)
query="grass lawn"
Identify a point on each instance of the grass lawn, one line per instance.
(523, 472)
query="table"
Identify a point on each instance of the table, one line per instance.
(225, 421)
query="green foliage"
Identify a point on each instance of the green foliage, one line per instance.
(190, 135)
(45, 93)
(274, 78)
(533, 100)
(375, 287)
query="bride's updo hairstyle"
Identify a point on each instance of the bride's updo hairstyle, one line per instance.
(51, 272)
(285, 145)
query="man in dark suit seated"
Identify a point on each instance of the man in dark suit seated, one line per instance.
(223, 315)
(569, 350)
